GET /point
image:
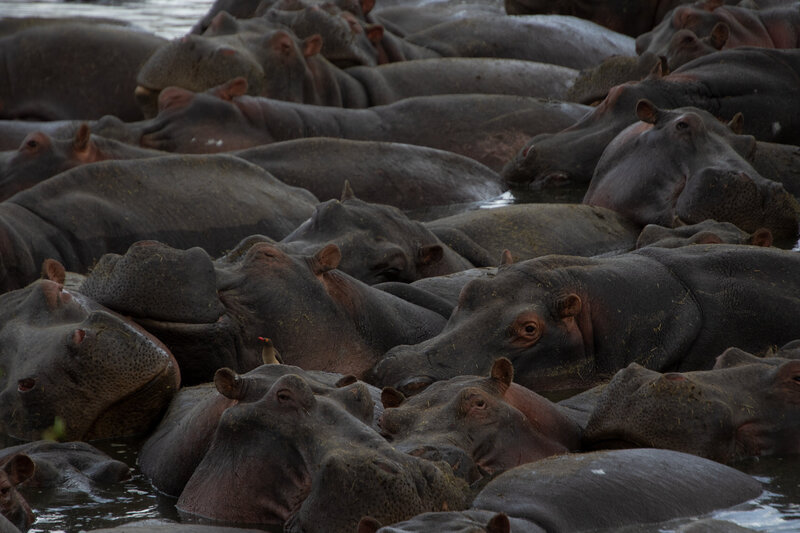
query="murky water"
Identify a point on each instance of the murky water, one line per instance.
(778, 510)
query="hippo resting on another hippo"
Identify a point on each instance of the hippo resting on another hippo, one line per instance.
(487, 128)
(598, 491)
(212, 314)
(173, 451)
(757, 82)
(706, 232)
(77, 369)
(669, 169)
(302, 455)
(570, 322)
(95, 209)
(479, 425)
(746, 406)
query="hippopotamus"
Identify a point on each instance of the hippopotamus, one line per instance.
(291, 69)
(68, 465)
(406, 176)
(631, 17)
(212, 314)
(705, 232)
(724, 414)
(567, 322)
(172, 452)
(492, 128)
(95, 209)
(685, 45)
(598, 491)
(41, 156)
(406, 18)
(764, 92)
(669, 169)
(66, 85)
(484, 425)
(75, 370)
(306, 455)
(378, 242)
(772, 27)
(15, 469)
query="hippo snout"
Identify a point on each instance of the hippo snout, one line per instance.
(398, 369)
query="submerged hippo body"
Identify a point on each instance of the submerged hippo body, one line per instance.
(567, 322)
(94, 374)
(66, 85)
(487, 128)
(95, 209)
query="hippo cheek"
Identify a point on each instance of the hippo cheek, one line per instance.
(732, 196)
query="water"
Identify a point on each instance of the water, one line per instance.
(778, 510)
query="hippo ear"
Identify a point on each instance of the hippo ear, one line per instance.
(736, 124)
(228, 383)
(569, 306)
(374, 33)
(503, 371)
(719, 35)
(19, 468)
(80, 143)
(430, 254)
(344, 381)
(735, 357)
(54, 271)
(659, 70)
(391, 397)
(368, 525)
(707, 237)
(173, 97)
(347, 192)
(761, 237)
(711, 5)
(498, 524)
(506, 258)
(646, 111)
(366, 6)
(312, 45)
(326, 259)
(223, 22)
(231, 89)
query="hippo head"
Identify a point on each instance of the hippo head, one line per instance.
(518, 314)
(673, 168)
(686, 45)
(75, 370)
(302, 455)
(725, 414)
(494, 424)
(378, 242)
(706, 232)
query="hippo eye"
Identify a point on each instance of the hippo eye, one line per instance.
(24, 385)
(526, 331)
(681, 125)
(32, 144)
(283, 395)
(530, 329)
(480, 403)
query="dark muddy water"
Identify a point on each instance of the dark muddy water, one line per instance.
(777, 510)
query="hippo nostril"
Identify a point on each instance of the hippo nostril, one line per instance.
(26, 384)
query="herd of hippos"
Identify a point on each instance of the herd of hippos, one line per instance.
(258, 247)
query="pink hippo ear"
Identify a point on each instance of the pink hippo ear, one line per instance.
(646, 111)
(761, 237)
(391, 397)
(569, 306)
(719, 35)
(174, 97)
(326, 259)
(312, 45)
(659, 70)
(222, 23)
(736, 124)
(506, 258)
(54, 271)
(498, 524)
(346, 380)
(374, 33)
(83, 146)
(282, 43)
(366, 6)
(230, 89)
(503, 371)
(19, 468)
(430, 254)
